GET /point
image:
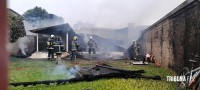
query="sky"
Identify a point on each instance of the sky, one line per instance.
(102, 13)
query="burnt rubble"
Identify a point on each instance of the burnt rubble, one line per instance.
(94, 73)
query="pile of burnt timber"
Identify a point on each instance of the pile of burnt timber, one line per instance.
(113, 73)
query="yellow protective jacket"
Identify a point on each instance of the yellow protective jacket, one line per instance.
(50, 44)
(74, 45)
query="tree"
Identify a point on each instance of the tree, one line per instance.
(41, 18)
(16, 27)
(35, 14)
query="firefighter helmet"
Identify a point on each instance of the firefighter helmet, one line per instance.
(52, 36)
(134, 41)
(90, 37)
(75, 38)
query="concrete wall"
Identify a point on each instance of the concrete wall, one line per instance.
(174, 36)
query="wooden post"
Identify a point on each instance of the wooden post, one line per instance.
(3, 50)
(67, 38)
(37, 43)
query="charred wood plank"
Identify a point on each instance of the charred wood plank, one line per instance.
(84, 78)
(136, 72)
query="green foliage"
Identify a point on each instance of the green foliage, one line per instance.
(37, 13)
(16, 27)
(23, 70)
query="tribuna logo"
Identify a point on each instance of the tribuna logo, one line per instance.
(176, 78)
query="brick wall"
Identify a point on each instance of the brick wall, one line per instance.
(174, 36)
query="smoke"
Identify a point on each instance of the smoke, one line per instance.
(41, 23)
(106, 48)
(63, 70)
(74, 71)
(85, 37)
(35, 23)
(23, 44)
(23, 47)
(104, 13)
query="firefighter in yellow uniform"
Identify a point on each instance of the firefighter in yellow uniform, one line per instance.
(50, 47)
(74, 48)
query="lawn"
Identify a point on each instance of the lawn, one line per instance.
(25, 70)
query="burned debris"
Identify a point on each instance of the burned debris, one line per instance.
(94, 73)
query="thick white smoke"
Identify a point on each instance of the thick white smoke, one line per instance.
(23, 44)
(62, 69)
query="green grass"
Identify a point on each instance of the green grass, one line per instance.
(24, 70)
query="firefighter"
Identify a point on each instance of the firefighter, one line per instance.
(74, 48)
(92, 45)
(58, 48)
(148, 57)
(50, 47)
